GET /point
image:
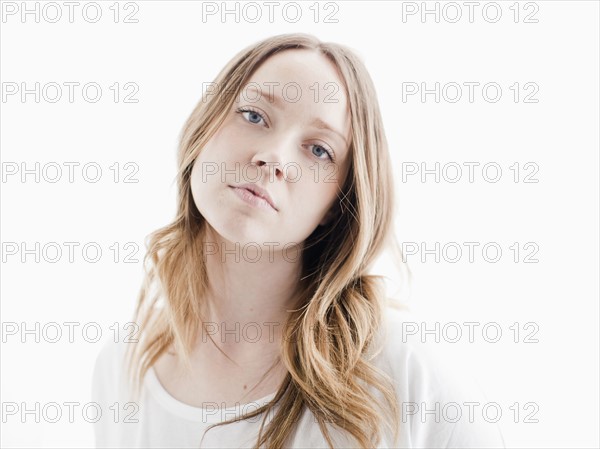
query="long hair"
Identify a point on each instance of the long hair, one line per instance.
(329, 340)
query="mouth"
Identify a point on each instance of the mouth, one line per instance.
(254, 197)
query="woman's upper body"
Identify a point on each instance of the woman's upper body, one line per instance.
(286, 200)
(429, 393)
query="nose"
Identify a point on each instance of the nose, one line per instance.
(272, 170)
(270, 155)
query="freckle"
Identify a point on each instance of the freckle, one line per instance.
(245, 387)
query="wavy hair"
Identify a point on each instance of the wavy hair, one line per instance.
(329, 341)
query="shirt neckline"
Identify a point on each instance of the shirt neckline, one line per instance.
(210, 414)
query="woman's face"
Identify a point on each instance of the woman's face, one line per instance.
(280, 146)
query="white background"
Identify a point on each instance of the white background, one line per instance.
(171, 51)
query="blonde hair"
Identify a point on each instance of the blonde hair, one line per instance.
(328, 341)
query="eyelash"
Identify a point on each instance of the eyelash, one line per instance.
(327, 150)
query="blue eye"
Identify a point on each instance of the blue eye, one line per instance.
(324, 151)
(254, 117)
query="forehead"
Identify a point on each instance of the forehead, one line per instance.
(299, 65)
(303, 77)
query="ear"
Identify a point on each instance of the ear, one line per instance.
(331, 213)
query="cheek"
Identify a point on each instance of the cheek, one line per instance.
(313, 199)
(229, 138)
(205, 172)
(212, 159)
(196, 184)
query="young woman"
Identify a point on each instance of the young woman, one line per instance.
(259, 323)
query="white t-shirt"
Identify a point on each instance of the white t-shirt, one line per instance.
(425, 388)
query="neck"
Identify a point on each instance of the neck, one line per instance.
(250, 290)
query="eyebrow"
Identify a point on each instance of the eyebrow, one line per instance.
(277, 101)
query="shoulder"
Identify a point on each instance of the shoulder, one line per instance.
(413, 365)
(435, 396)
(400, 350)
(110, 356)
(111, 395)
(109, 374)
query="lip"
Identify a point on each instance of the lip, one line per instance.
(260, 195)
